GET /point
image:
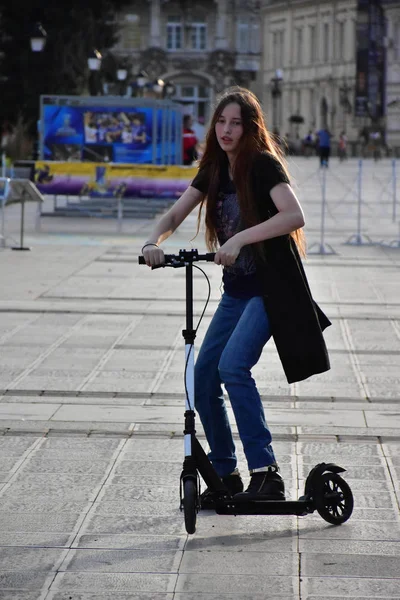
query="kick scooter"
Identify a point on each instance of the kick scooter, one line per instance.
(325, 490)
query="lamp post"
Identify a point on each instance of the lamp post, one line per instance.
(94, 64)
(122, 74)
(141, 81)
(158, 87)
(276, 92)
(38, 38)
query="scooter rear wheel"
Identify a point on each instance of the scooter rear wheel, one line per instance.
(190, 504)
(333, 499)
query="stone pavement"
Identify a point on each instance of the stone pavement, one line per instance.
(91, 412)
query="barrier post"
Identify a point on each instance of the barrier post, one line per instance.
(358, 238)
(21, 243)
(3, 196)
(321, 247)
(394, 187)
(38, 216)
(119, 214)
(2, 231)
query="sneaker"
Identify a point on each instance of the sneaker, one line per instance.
(234, 484)
(264, 485)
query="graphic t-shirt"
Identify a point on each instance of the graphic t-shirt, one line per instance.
(241, 280)
(324, 138)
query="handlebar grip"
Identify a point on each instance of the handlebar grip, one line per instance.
(209, 257)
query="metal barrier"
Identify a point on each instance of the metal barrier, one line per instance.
(358, 238)
(322, 247)
(4, 187)
(18, 191)
(365, 181)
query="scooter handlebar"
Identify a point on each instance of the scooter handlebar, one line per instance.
(179, 260)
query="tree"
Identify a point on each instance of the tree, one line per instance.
(73, 28)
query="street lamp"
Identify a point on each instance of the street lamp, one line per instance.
(38, 38)
(94, 64)
(122, 74)
(276, 92)
(169, 89)
(94, 60)
(141, 80)
(158, 86)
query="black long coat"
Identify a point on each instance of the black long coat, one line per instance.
(296, 320)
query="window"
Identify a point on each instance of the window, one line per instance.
(248, 35)
(198, 36)
(277, 49)
(299, 46)
(313, 40)
(326, 42)
(174, 33)
(195, 95)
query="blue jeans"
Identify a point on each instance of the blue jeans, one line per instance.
(232, 346)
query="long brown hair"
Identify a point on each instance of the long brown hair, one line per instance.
(255, 139)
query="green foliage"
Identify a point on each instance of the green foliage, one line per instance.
(73, 30)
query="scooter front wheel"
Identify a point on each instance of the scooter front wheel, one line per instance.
(190, 504)
(333, 499)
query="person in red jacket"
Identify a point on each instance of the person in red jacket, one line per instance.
(189, 151)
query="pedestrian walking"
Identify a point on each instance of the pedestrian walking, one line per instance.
(324, 146)
(308, 144)
(189, 141)
(254, 223)
(342, 146)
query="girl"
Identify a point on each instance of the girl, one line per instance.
(254, 223)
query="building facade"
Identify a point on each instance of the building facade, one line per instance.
(201, 46)
(298, 56)
(309, 68)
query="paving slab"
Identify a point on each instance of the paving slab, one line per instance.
(355, 547)
(167, 524)
(114, 582)
(37, 559)
(274, 587)
(77, 595)
(343, 587)
(235, 563)
(122, 561)
(39, 539)
(350, 565)
(162, 543)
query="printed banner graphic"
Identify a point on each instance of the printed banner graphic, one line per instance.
(103, 180)
(109, 133)
(370, 60)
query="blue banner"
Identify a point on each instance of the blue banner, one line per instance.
(73, 130)
(370, 60)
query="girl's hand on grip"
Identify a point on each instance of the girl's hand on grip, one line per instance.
(153, 255)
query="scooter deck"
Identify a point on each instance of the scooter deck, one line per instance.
(264, 507)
